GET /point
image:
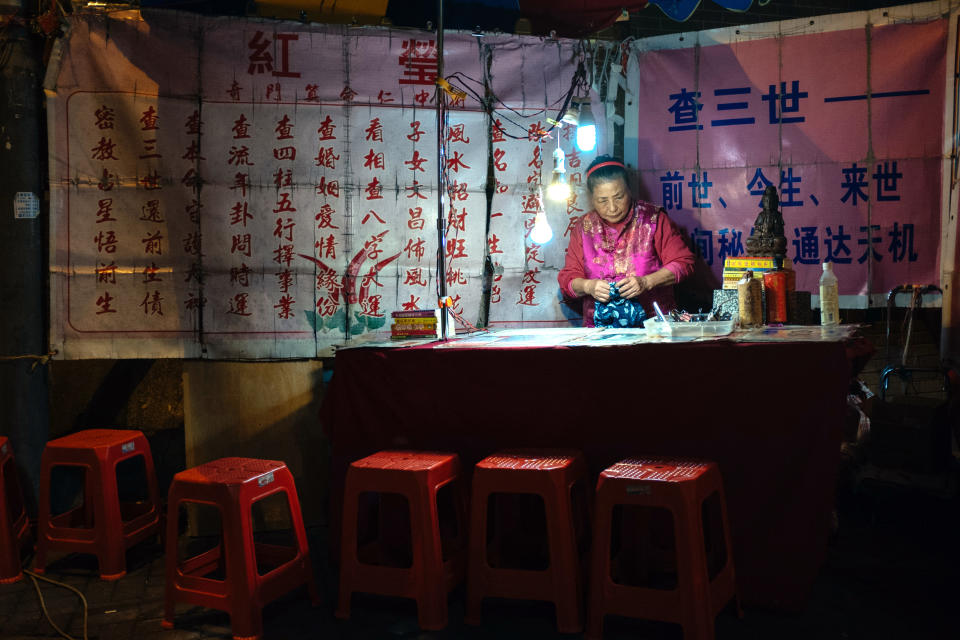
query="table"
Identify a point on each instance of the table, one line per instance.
(770, 414)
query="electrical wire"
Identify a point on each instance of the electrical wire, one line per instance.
(43, 605)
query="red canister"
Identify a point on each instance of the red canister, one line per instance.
(776, 283)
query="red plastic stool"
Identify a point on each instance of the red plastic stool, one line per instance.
(233, 485)
(434, 568)
(103, 525)
(14, 526)
(705, 580)
(551, 475)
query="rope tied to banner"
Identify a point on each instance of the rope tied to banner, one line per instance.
(37, 359)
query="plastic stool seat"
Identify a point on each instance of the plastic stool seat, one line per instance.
(97, 451)
(681, 486)
(233, 485)
(418, 476)
(551, 475)
(14, 524)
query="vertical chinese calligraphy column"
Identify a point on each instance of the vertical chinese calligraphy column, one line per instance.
(394, 156)
(124, 144)
(528, 77)
(272, 183)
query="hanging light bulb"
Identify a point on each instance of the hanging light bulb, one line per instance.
(559, 188)
(587, 128)
(541, 233)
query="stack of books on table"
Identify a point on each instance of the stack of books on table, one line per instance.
(419, 323)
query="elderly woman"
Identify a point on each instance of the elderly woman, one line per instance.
(623, 248)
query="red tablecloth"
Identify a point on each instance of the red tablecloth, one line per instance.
(769, 413)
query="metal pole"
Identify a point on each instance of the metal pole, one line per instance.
(441, 184)
(24, 389)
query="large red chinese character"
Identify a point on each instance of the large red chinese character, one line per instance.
(374, 189)
(415, 277)
(536, 132)
(284, 307)
(416, 133)
(455, 134)
(105, 117)
(240, 275)
(536, 161)
(107, 273)
(193, 211)
(348, 94)
(152, 304)
(326, 158)
(457, 220)
(531, 203)
(455, 276)
(416, 162)
(192, 152)
(152, 244)
(261, 61)
(532, 253)
(456, 248)
(374, 214)
(241, 181)
(239, 214)
(527, 296)
(328, 247)
(530, 276)
(326, 129)
(285, 279)
(192, 243)
(312, 93)
(107, 181)
(150, 212)
(193, 125)
(419, 62)
(284, 70)
(411, 304)
(421, 98)
(331, 188)
(416, 220)
(384, 97)
(284, 204)
(104, 150)
(149, 120)
(151, 273)
(283, 178)
(283, 254)
(238, 305)
(104, 303)
(498, 132)
(458, 191)
(151, 181)
(105, 211)
(574, 221)
(455, 161)
(370, 306)
(284, 129)
(241, 244)
(285, 153)
(415, 248)
(325, 218)
(493, 242)
(373, 160)
(415, 191)
(284, 229)
(234, 91)
(239, 156)
(375, 131)
(498, 163)
(241, 127)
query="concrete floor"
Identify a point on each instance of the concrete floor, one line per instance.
(892, 571)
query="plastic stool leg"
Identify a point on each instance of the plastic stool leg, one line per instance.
(432, 596)
(478, 554)
(562, 552)
(348, 551)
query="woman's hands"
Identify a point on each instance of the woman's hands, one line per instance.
(599, 289)
(632, 286)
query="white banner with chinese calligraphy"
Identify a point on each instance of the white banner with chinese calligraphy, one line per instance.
(844, 117)
(234, 188)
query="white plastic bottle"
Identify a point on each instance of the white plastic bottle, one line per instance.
(829, 297)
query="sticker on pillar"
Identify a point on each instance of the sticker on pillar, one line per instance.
(127, 447)
(26, 205)
(265, 479)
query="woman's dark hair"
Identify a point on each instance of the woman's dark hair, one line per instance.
(611, 170)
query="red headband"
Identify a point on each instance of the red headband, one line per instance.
(609, 163)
